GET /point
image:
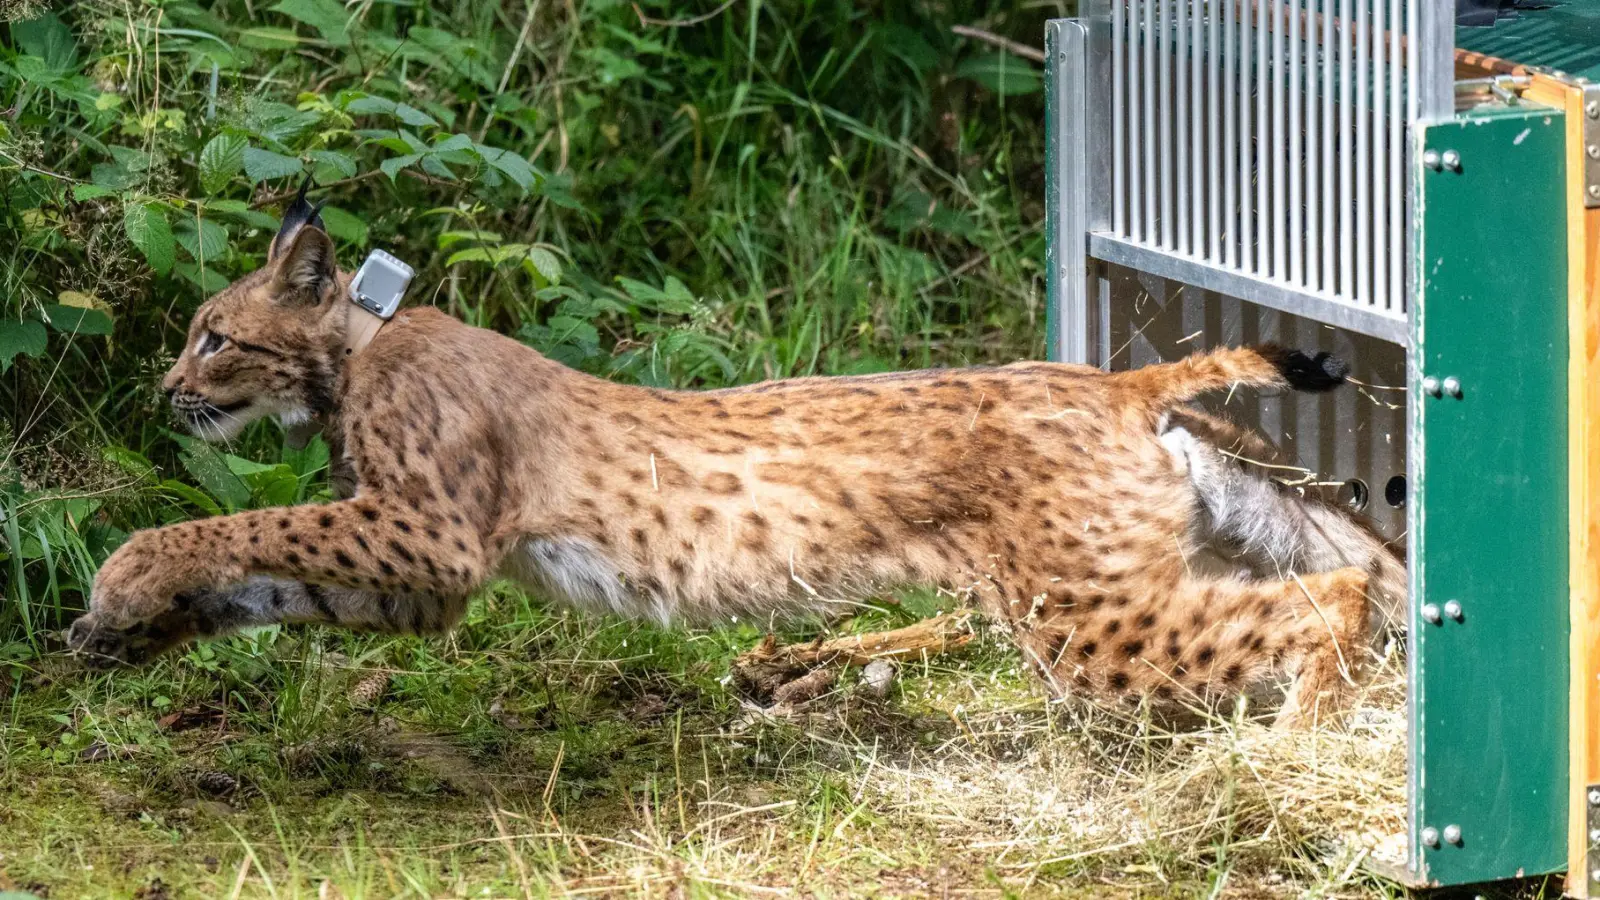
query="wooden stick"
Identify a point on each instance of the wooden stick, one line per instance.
(768, 666)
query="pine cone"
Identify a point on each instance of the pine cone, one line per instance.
(369, 690)
(217, 784)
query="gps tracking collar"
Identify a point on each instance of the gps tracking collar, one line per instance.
(376, 292)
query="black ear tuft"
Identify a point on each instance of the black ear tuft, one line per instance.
(305, 269)
(298, 215)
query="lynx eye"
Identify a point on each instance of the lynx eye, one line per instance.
(210, 343)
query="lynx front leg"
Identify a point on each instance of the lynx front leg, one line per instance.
(262, 601)
(377, 544)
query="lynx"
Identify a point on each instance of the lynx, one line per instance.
(1066, 502)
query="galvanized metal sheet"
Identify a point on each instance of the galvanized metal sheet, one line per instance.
(1489, 519)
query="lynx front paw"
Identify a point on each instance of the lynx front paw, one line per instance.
(135, 585)
(101, 646)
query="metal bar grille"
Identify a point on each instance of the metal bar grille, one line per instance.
(1265, 141)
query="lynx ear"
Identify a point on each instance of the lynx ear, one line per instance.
(306, 268)
(298, 215)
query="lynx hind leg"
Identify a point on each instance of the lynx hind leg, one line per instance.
(1330, 659)
(1205, 639)
(1271, 527)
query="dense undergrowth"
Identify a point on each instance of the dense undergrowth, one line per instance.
(656, 192)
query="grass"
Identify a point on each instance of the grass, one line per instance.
(535, 754)
(671, 193)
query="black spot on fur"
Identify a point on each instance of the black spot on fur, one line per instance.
(343, 560)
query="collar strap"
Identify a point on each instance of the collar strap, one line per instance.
(375, 294)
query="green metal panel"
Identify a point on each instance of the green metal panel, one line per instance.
(1489, 517)
(1565, 38)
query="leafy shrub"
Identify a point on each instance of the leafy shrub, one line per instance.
(666, 192)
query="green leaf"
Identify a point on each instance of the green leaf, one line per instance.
(240, 211)
(673, 297)
(20, 339)
(543, 262)
(453, 142)
(146, 225)
(371, 106)
(76, 320)
(415, 117)
(205, 241)
(264, 165)
(328, 17)
(208, 280)
(48, 38)
(267, 38)
(1002, 73)
(392, 166)
(222, 158)
(244, 468)
(344, 226)
(435, 166)
(130, 461)
(273, 486)
(509, 164)
(613, 67)
(210, 470)
(81, 192)
(331, 165)
(190, 494)
(474, 254)
(450, 238)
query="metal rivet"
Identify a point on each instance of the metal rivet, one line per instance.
(1430, 836)
(1593, 150)
(1594, 191)
(1062, 56)
(1431, 387)
(1592, 109)
(1452, 386)
(1430, 613)
(1594, 797)
(1430, 158)
(1452, 834)
(1594, 834)
(1451, 160)
(1452, 609)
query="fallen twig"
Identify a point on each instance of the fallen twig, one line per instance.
(767, 668)
(1006, 44)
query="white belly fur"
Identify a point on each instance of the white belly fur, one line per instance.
(575, 571)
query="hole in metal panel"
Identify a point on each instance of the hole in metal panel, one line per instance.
(1354, 494)
(1394, 493)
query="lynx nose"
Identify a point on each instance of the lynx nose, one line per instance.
(171, 384)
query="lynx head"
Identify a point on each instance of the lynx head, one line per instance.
(270, 343)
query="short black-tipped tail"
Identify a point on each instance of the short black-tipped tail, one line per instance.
(1315, 374)
(1225, 368)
